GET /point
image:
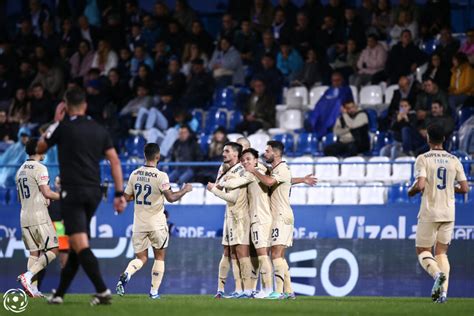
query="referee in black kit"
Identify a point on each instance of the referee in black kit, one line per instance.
(82, 143)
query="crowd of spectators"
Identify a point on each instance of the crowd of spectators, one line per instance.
(144, 72)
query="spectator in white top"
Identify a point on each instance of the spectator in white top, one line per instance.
(371, 61)
(105, 58)
(405, 22)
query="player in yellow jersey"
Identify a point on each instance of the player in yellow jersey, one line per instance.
(437, 172)
(148, 187)
(37, 229)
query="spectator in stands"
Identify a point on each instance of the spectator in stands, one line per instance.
(404, 22)
(25, 40)
(425, 98)
(200, 86)
(352, 131)
(7, 131)
(105, 58)
(270, 75)
(462, 81)
(289, 61)
(407, 90)
(327, 110)
(49, 39)
(228, 28)
(175, 37)
(313, 71)
(142, 99)
(438, 71)
(441, 117)
(290, 10)
(226, 64)
(117, 89)
(366, 12)
(280, 28)
(268, 46)
(370, 63)
(259, 111)
(353, 28)
(26, 74)
(184, 149)
(346, 60)
(7, 84)
(125, 63)
(144, 77)
(435, 15)
(303, 34)
(219, 139)
(162, 56)
(96, 100)
(328, 36)
(135, 38)
(184, 14)
(88, 32)
(468, 46)
(191, 52)
(42, 106)
(175, 81)
(447, 46)
(140, 57)
(113, 30)
(406, 6)
(161, 15)
(51, 78)
(81, 60)
(261, 15)
(201, 36)
(69, 34)
(19, 111)
(335, 8)
(150, 32)
(133, 14)
(382, 19)
(245, 41)
(315, 12)
(404, 58)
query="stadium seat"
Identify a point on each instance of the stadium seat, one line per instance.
(198, 114)
(280, 109)
(300, 170)
(379, 140)
(346, 194)
(402, 171)
(464, 114)
(353, 172)
(225, 98)
(328, 139)
(215, 118)
(301, 92)
(211, 199)
(130, 165)
(204, 142)
(235, 118)
(398, 193)
(327, 172)
(196, 196)
(373, 193)
(234, 136)
(134, 146)
(373, 123)
(355, 94)
(105, 171)
(321, 194)
(174, 188)
(288, 141)
(292, 119)
(298, 194)
(259, 141)
(315, 94)
(389, 93)
(241, 97)
(420, 71)
(378, 171)
(371, 96)
(307, 144)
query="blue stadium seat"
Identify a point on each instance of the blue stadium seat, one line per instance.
(380, 139)
(464, 158)
(241, 97)
(204, 140)
(373, 125)
(134, 146)
(398, 193)
(129, 165)
(328, 139)
(428, 46)
(105, 171)
(288, 141)
(307, 144)
(199, 116)
(215, 118)
(236, 118)
(463, 115)
(225, 98)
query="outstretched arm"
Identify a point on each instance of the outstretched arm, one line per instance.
(309, 179)
(175, 196)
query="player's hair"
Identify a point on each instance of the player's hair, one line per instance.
(276, 145)
(30, 147)
(74, 96)
(244, 142)
(436, 134)
(151, 150)
(235, 146)
(251, 151)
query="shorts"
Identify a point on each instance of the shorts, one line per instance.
(428, 233)
(225, 235)
(282, 233)
(78, 206)
(62, 237)
(261, 235)
(39, 237)
(157, 239)
(238, 231)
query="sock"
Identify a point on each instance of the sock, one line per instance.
(91, 266)
(237, 278)
(265, 266)
(43, 260)
(157, 275)
(31, 262)
(255, 272)
(224, 267)
(429, 263)
(279, 266)
(287, 283)
(67, 273)
(133, 266)
(444, 266)
(246, 273)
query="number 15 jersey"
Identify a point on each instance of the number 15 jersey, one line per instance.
(147, 184)
(441, 170)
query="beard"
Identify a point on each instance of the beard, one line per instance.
(269, 160)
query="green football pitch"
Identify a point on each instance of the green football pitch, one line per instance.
(187, 305)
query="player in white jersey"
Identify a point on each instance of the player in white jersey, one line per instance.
(148, 186)
(437, 172)
(38, 233)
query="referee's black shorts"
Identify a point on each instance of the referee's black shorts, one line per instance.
(78, 206)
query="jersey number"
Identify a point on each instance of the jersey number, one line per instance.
(275, 233)
(442, 177)
(23, 188)
(139, 189)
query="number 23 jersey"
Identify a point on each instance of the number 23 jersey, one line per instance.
(441, 170)
(146, 185)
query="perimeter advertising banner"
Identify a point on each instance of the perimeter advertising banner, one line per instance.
(318, 267)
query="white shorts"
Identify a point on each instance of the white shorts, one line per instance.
(40, 237)
(427, 234)
(261, 235)
(157, 239)
(238, 231)
(282, 233)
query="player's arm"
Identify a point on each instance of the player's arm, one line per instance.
(462, 187)
(128, 197)
(48, 193)
(235, 183)
(417, 187)
(266, 180)
(309, 179)
(171, 196)
(120, 203)
(48, 139)
(230, 196)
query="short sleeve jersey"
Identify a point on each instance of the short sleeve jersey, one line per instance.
(259, 200)
(34, 209)
(146, 185)
(240, 208)
(441, 170)
(280, 192)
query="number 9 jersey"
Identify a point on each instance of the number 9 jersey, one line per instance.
(147, 184)
(441, 170)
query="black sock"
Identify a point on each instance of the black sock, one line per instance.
(91, 266)
(67, 273)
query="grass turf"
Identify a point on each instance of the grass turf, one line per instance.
(196, 305)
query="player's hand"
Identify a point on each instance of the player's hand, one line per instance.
(310, 179)
(210, 186)
(120, 203)
(250, 168)
(187, 187)
(48, 202)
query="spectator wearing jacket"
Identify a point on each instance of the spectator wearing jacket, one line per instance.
(289, 61)
(226, 64)
(184, 149)
(371, 62)
(81, 61)
(462, 81)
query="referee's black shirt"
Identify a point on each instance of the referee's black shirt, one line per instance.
(82, 144)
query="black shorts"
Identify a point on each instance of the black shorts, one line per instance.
(78, 206)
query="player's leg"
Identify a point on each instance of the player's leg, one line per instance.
(236, 272)
(287, 288)
(279, 267)
(260, 234)
(224, 267)
(243, 256)
(443, 237)
(132, 267)
(159, 242)
(255, 266)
